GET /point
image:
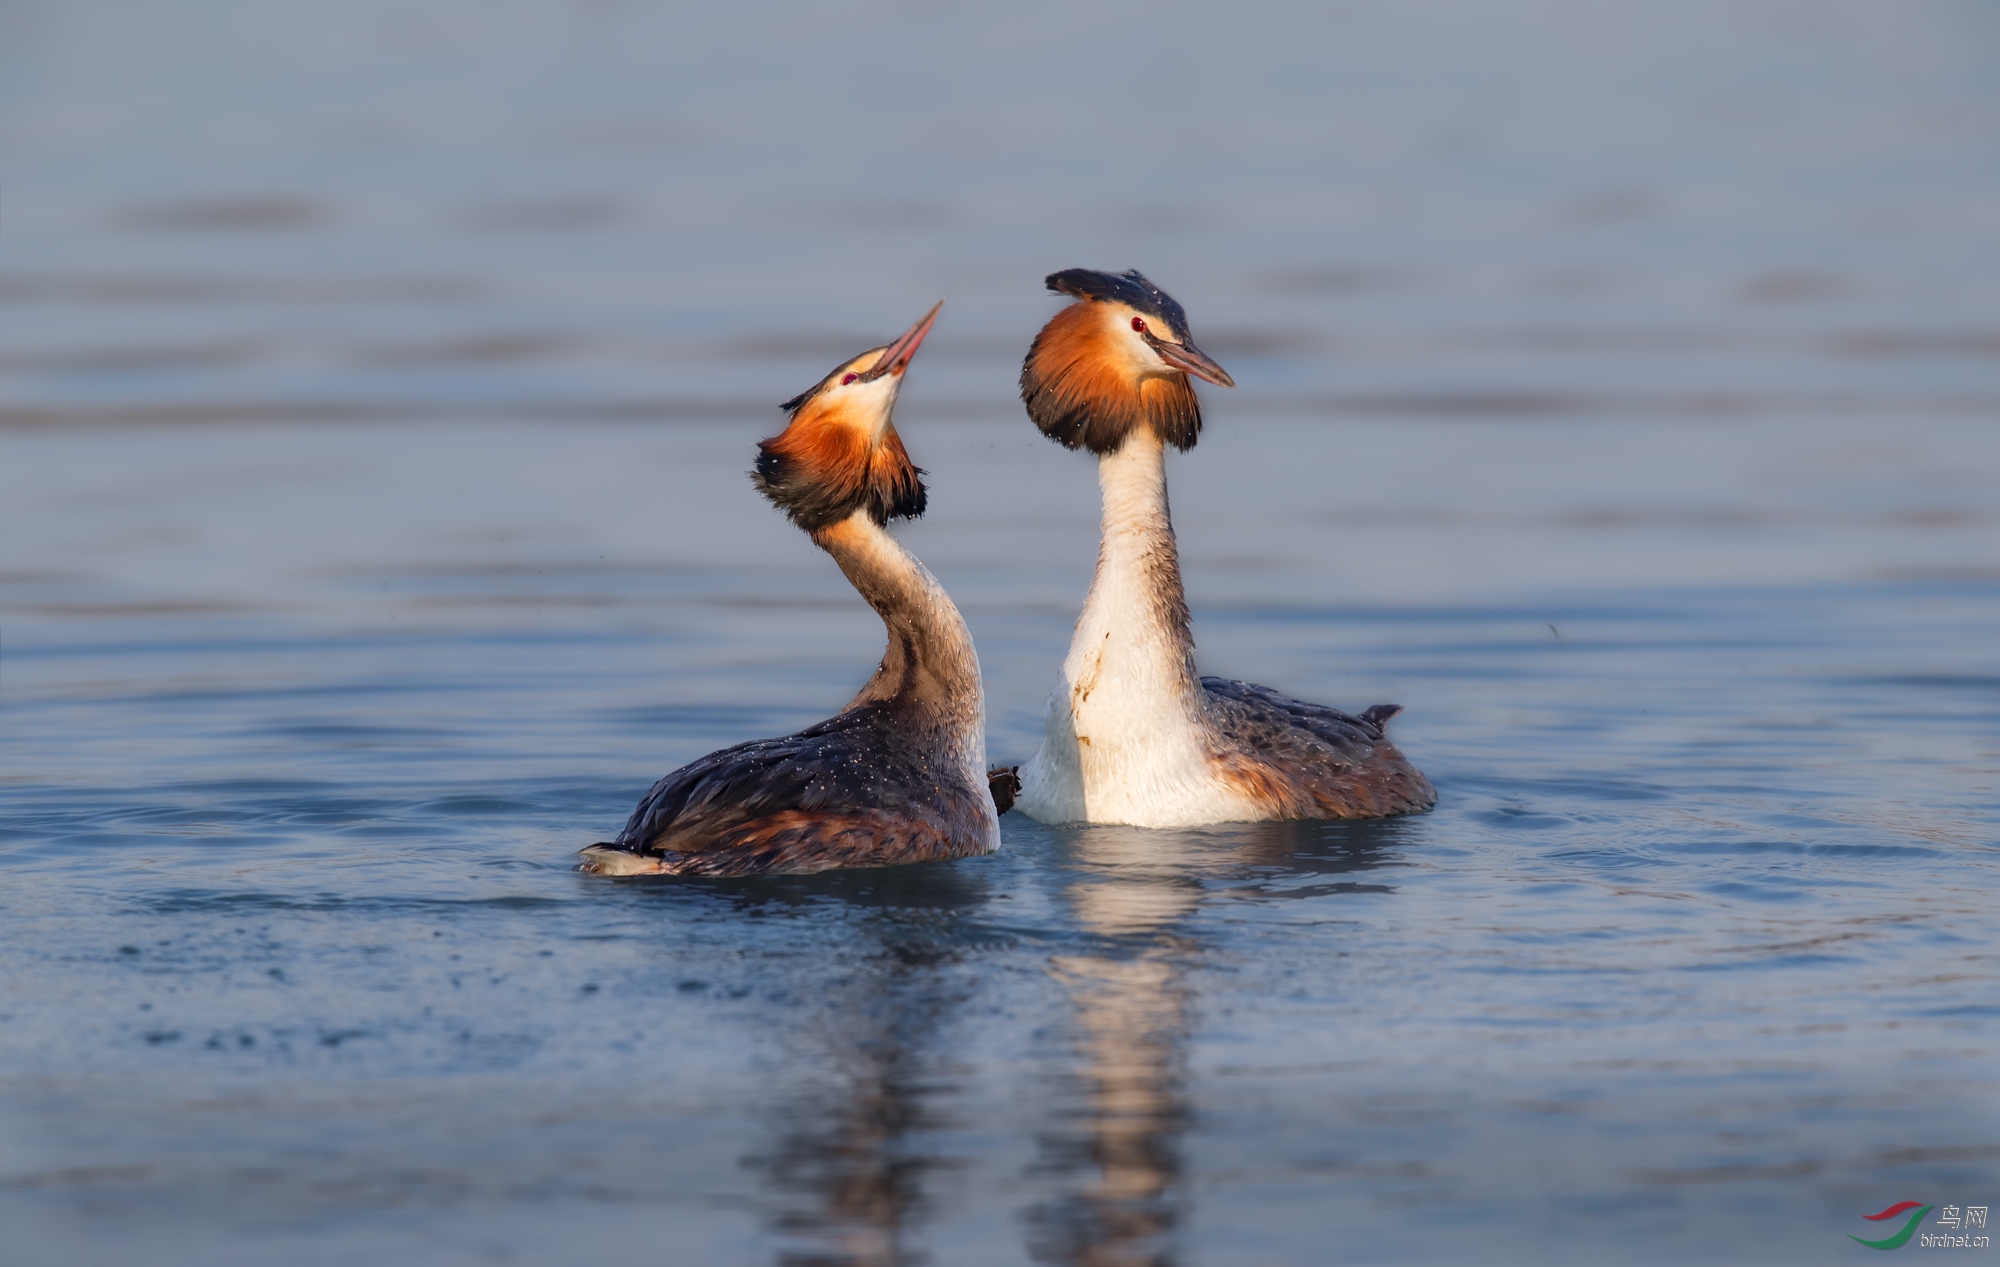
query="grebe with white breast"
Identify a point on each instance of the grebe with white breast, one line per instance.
(899, 775)
(1132, 733)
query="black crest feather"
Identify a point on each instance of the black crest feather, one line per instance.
(1130, 288)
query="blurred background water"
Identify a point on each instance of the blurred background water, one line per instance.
(1618, 388)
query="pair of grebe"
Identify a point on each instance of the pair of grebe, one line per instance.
(1133, 734)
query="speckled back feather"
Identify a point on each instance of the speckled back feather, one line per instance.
(1303, 760)
(836, 794)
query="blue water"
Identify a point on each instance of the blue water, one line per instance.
(1617, 393)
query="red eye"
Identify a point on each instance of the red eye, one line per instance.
(1139, 325)
(850, 378)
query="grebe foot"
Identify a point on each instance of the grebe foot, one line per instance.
(1004, 781)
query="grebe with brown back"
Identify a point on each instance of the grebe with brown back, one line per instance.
(899, 775)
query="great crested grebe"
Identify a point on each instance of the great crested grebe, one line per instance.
(1133, 733)
(899, 775)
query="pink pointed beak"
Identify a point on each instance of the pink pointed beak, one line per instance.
(1191, 359)
(896, 357)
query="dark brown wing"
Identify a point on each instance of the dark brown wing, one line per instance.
(1310, 761)
(800, 842)
(850, 791)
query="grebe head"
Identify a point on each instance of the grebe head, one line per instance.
(841, 453)
(1115, 360)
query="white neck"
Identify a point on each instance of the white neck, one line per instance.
(1132, 637)
(1124, 730)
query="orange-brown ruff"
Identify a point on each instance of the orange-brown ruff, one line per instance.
(1133, 733)
(825, 464)
(899, 774)
(1080, 393)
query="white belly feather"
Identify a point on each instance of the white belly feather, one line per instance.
(1125, 738)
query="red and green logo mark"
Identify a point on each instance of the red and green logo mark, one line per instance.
(1895, 1241)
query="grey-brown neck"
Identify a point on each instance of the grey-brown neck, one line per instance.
(929, 667)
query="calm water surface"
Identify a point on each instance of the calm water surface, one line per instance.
(1618, 393)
